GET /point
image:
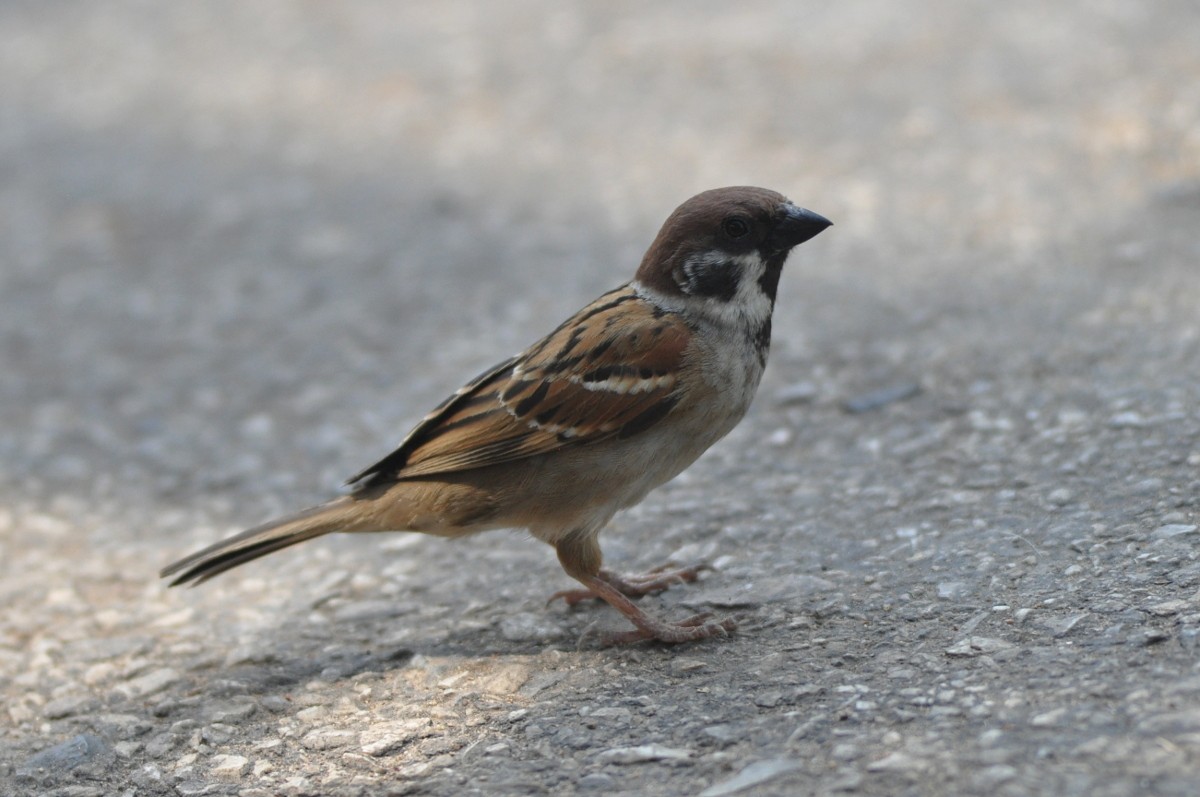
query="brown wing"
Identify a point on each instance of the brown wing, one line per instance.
(610, 370)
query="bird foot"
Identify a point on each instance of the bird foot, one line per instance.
(634, 586)
(700, 626)
(692, 629)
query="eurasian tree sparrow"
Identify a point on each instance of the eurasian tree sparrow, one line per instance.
(617, 400)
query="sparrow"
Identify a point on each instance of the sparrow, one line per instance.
(617, 400)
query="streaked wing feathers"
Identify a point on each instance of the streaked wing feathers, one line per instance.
(609, 371)
(393, 463)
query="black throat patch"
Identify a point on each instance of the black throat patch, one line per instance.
(769, 281)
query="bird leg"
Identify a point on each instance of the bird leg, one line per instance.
(580, 557)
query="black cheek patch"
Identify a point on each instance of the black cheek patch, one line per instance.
(714, 280)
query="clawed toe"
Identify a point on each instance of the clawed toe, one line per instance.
(617, 590)
(691, 629)
(634, 586)
(656, 580)
(571, 597)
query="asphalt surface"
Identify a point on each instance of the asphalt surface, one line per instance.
(244, 246)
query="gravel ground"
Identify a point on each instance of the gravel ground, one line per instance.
(243, 246)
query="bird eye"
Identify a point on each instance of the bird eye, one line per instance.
(735, 227)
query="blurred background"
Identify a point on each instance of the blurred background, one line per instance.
(217, 216)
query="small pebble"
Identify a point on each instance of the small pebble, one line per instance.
(898, 762)
(641, 753)
(1060, 497)
(752, 775)
(597, 781)
(977, 646)
(797, 393)
(229, 766)
(328, 738)
(878, 399)
(1172, 530)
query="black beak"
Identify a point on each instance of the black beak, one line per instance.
(794, 226)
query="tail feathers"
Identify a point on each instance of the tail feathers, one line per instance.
(336, 515)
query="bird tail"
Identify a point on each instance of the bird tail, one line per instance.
(340, 514)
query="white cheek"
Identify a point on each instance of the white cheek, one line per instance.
(750, 306)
